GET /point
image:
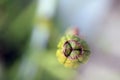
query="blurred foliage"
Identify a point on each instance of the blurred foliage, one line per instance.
(46, 67)
(15, 27)
(20, 60)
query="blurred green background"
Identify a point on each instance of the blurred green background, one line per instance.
(31, 29)
(29, 33)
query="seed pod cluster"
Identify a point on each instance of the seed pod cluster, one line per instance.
(72, 51)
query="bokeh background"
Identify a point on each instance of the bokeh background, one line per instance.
(31, 29)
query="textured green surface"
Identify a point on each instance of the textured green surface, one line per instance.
(72, 59)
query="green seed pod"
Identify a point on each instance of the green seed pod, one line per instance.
(72, 51)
